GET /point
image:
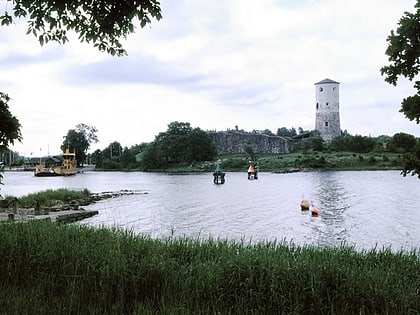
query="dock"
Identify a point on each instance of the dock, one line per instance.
(65, 216)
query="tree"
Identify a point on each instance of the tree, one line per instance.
(401, 143)
(101, 23)
(78, 140)
(404, 56)
(284, 132)
(175, 141)
(180, 143)
(201, 147)
(9, 127)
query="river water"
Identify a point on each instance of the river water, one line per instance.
(364, 209)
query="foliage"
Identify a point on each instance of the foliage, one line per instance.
(411, 161)
(360, 144)
(404, 60)
(101, 23)
(78, 140)
(180, 143)
(9, 127)
(109, 271)
(284, 132)
(401, 143)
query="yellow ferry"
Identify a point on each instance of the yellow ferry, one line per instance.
(67, 167)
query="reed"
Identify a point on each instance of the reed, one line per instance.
(73, 269)
(50, 196)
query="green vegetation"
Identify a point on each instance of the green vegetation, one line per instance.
(78, 140)
(403, 53)
(49, 197)
(74, 269)
(313, 160)
(179, 146)
(183, 149)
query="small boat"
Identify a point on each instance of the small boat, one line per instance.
(67, 167)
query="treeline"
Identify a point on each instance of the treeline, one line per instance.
(181, 145)
(399, 143)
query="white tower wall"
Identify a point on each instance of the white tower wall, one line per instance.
(327, 111)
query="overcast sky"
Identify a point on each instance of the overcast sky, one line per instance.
(214, 64)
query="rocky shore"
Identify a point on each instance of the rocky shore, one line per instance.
(63, 212)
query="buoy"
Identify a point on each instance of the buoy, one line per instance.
(314, 212)
(304, 205)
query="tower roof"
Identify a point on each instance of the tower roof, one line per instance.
(327, 81)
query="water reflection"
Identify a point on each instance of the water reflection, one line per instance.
(331, 199)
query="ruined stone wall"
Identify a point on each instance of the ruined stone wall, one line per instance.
(231, 142)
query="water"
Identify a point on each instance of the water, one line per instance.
(365, 209)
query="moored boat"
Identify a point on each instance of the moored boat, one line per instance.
(67, 167)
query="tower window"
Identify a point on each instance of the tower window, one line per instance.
(326, 124)
(317, 105)
(327, 104)
(321, 89)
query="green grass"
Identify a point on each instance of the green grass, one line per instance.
(49, 197)
(74, 269)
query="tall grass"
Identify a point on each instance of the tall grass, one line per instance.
(50, 196)
(73, 269)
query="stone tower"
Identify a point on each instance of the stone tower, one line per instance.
(327, 118)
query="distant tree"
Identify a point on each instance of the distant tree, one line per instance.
(78, 140)
(153, 157)
(180, 143)
(401, 143)
(97, 158)
(128, 158)
(201, 147)
(175, 141)
(317, 144)
(284, 132)
(359, 144)
(362, 144)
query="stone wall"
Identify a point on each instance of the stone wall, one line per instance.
(231, 142)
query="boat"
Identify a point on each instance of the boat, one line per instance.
(67, 167)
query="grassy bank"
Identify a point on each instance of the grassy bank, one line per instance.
(72, 269)
(316, 161)
(50, 197)
(303, 160)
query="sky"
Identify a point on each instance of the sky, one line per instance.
(213, 64)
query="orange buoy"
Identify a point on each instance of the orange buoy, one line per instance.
(314, 212)
(304, 205)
